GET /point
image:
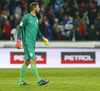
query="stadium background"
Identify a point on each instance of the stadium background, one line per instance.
(58, 19)
(72, 26)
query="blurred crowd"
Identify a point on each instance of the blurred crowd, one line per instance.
(74, 20)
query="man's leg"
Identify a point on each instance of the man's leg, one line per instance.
(23, 71)
(35, 72)
(34, 69)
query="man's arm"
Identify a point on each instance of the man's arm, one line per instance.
(21, 26)
(20, 29)
(19, 33)
(43, 38)
(39, 34)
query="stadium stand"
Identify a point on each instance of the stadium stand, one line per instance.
(68, 20)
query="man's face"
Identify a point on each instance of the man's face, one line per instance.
(37, 9)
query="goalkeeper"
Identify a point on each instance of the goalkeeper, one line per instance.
(29, 29)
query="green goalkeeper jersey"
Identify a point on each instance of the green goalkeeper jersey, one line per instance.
(29, 28)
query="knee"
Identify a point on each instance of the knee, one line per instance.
(26, 62)
(33, 61)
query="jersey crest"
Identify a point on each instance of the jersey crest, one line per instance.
(37, 21)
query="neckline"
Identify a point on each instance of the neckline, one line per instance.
(32, 15)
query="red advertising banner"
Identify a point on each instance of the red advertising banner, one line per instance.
(77, 57)
(18, 57)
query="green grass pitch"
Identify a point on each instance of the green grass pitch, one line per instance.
(61, 79)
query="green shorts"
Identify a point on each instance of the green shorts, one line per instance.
(29, 52)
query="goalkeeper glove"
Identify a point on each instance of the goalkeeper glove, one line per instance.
(45, 41)
(18, 44)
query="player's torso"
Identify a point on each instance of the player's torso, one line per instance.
(31, 30)
(32, 24)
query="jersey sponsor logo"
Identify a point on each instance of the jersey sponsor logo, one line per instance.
(18, 57)
(77, 57)
(21, 23)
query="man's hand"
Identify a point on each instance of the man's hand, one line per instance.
(18, 44)
(45, 41)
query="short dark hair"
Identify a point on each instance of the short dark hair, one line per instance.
(32, 5)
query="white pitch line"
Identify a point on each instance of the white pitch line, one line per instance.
(55, 78)
(65, 78)
(62, 82)
(76, 83)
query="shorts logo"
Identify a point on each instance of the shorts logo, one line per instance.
(31, 54)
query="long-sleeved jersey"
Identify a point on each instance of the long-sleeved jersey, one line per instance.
(29, 28)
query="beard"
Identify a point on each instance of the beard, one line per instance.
(37, 12)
